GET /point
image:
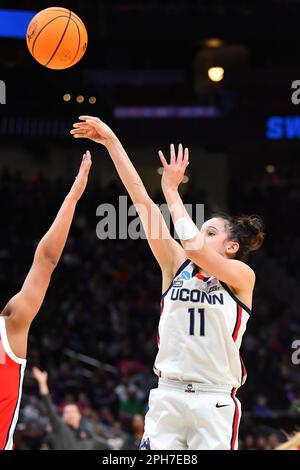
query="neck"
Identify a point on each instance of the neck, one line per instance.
(204, 273)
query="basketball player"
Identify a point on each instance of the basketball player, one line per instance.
(206, 303)
(16, 318)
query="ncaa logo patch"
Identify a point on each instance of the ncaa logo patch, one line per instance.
(185, 275)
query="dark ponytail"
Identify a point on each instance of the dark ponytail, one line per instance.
(247, 230)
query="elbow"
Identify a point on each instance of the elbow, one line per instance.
(52, 263)
(140, 196)
(48, 259)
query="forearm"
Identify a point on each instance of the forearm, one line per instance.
(52, 412)
(44, 390)
(178, 211)
(128, 174)
(52, 244)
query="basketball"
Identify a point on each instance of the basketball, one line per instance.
(57, 38)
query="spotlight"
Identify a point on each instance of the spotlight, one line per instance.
(67, 97)
(213, 42)
(80, 99)
(270, 169)
(92, 100)
(216, 74)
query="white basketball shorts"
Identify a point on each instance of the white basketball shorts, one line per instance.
(185, 415)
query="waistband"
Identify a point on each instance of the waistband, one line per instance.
(191, 387)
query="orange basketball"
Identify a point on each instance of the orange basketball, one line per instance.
(56, 38)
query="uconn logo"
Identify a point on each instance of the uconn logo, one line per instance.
(2, 92)
(196, 295)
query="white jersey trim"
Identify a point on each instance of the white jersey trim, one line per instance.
(6, 345)
(184, 265)
(234, 297)
(10, 443)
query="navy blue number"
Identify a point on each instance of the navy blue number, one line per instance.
(192, 321)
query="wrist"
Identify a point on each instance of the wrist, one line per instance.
(71, 198)
(111, 142)
(44, 390)
(170, 190)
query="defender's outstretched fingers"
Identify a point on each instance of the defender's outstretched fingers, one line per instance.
(186, 155)
(172, 154)
(162, 159)
(180, 154)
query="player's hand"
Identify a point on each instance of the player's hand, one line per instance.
(174, 171)
(41, 377)
(81, 179)
(94, 129)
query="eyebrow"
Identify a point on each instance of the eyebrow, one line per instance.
(211, 226)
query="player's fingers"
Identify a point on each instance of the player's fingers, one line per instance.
(162, 159)
(172, 154)
(78, 131)
(180, 154)
(85, 167)
(89, 118)
(80, 125)
(83, 163)
(84, 118)
(186, 155)
(88, 159)
(185, 165)
(79, 136)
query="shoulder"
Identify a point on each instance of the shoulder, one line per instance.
(246, 273)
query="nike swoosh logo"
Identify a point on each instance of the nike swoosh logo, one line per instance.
(220, 406)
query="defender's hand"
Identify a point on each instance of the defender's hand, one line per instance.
(81, 179)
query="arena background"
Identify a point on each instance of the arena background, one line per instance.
(146, 65)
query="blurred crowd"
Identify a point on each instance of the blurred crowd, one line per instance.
(96, 332)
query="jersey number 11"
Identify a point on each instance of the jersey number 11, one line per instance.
(192, 321)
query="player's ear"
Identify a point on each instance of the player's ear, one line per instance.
(232, 248)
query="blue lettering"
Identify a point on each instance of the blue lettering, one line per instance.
(184, 291)
(206, 298)
(195, 295)
(174, 294)
(292, 125)
(218, 298)
(274, 128)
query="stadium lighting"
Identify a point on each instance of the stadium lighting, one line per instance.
(216, 74)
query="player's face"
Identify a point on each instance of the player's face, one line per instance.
(216, 235)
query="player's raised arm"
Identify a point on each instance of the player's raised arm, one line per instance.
(166, 250)
(232, 271)
(23, 307)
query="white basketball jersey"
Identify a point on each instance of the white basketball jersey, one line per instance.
(200, 331)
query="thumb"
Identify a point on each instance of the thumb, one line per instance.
(162, 159)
